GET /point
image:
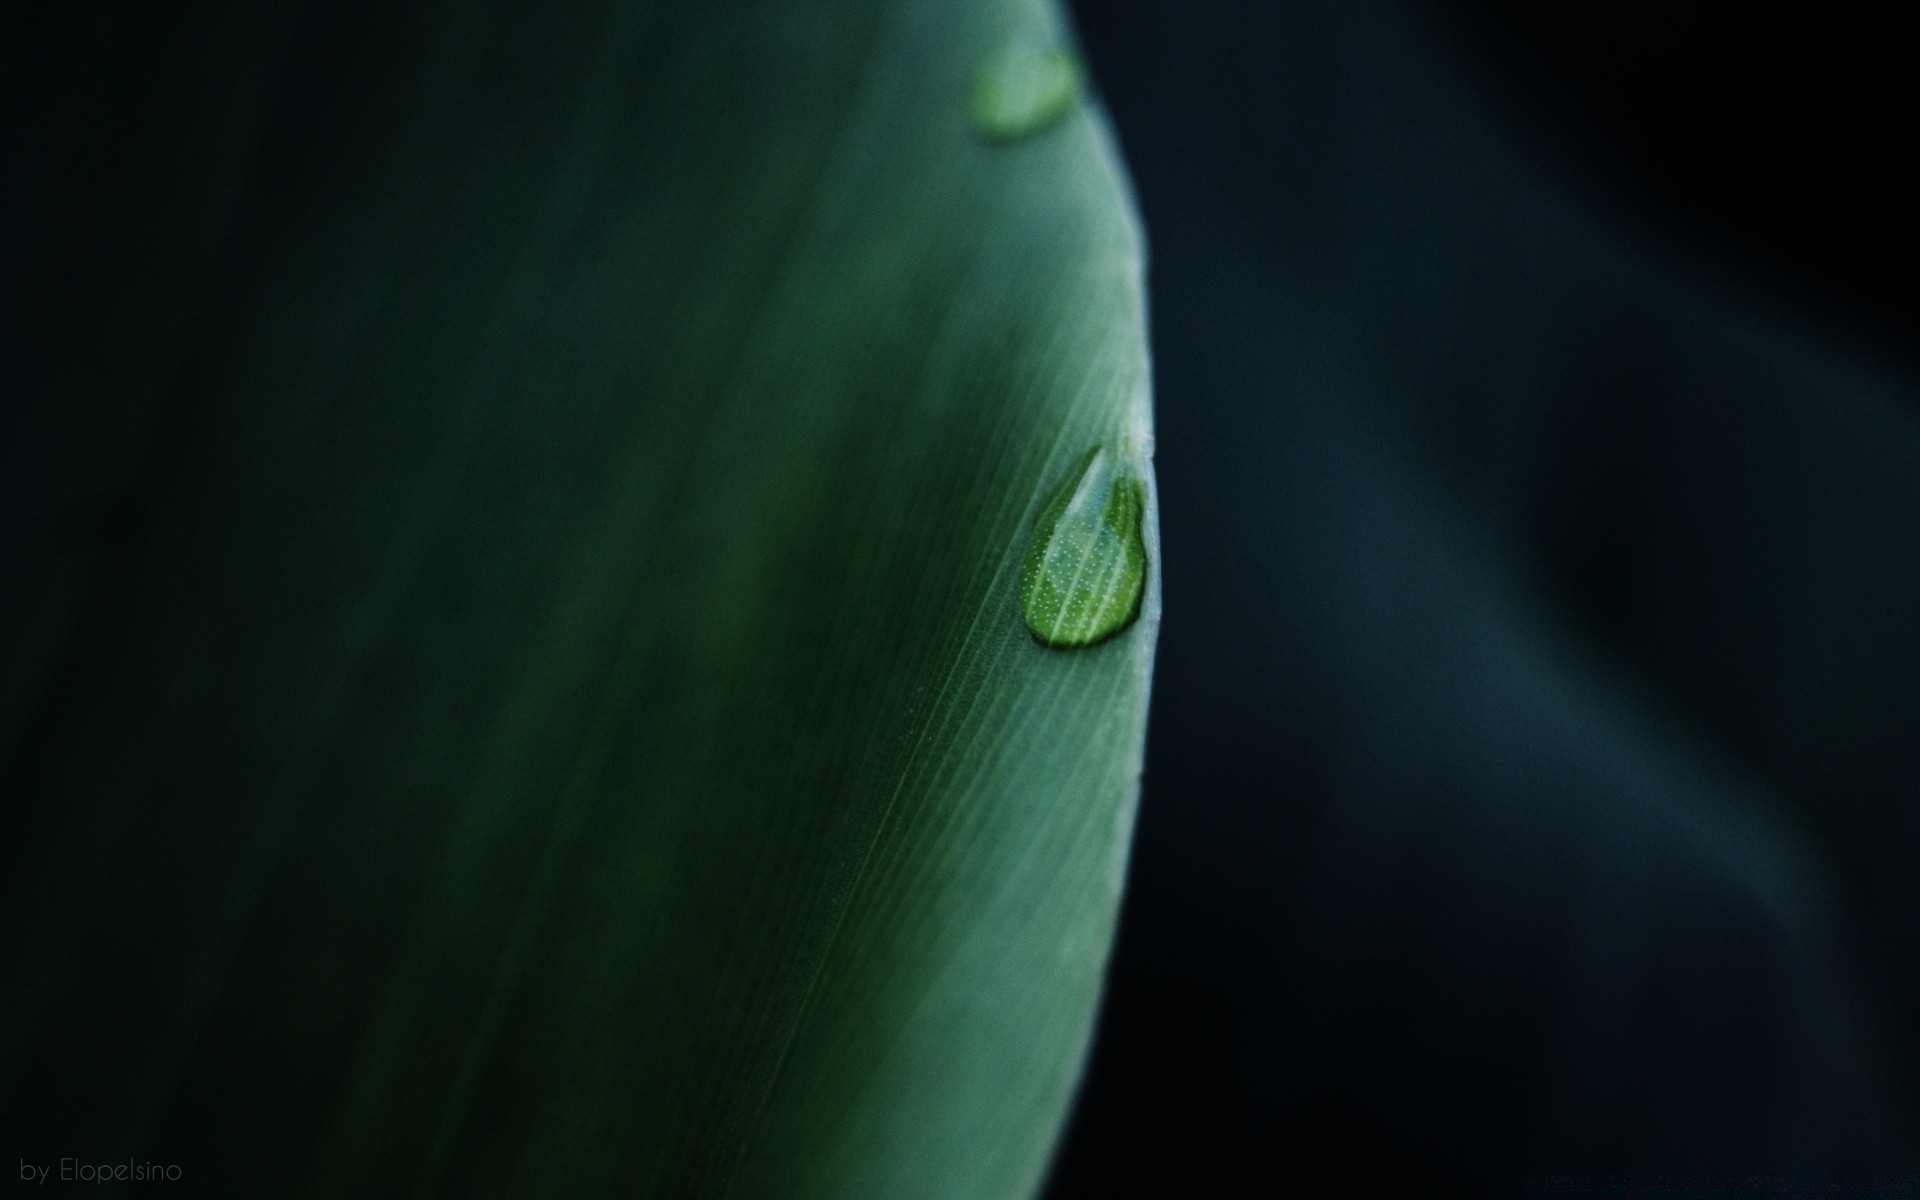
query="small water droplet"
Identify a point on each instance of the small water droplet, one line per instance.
(1022, 88)
(1086, 566)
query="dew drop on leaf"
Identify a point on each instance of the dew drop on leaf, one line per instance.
(1086, 567)
(1022, 88)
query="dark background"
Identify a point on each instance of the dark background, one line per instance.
(1531, 773)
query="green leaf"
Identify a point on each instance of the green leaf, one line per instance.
(516, 515)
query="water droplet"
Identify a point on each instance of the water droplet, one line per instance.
(1022, 88)
(1086, 567)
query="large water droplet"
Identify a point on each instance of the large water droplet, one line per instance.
(1086, 567)
(1022, 88)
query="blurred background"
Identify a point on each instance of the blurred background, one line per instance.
(1531, 777)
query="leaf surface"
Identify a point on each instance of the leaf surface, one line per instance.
(516, 513)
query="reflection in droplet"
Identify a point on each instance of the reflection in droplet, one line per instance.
(1022, 88)
(1086, 567)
